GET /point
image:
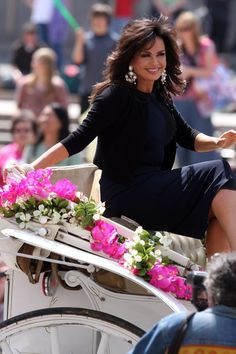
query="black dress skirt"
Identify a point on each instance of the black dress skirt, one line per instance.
(175, 200)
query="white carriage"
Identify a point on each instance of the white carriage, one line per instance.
(91, 304)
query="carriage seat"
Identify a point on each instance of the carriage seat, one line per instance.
(86, 177)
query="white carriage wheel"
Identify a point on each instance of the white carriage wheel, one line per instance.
(105, 324)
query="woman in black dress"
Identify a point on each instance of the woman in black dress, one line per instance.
(138, 130)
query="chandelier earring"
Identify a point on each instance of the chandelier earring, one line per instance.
(163, 77)
(131, 77)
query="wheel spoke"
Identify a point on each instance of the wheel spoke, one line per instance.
(40, 331)
(103, 344)
(54, 338)
(5, 348)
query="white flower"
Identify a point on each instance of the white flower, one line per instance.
(139, 230)
(81, 196)
(133, 252)
(136, 238)
(142, 242)
(36, 213)
(43, 219)
(22, 225)
(25, 217)
(39, 212)
(158, 234)
(129, 244)
(96, 217)
(165, 240)
(56, 217)
(157, 252)
(128, 258)
(138, 258)
(101, 208)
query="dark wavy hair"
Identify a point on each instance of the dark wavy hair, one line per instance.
(63, 116)
(136, 35)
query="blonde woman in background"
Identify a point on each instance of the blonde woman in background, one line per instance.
(199, 60)
(42, 86)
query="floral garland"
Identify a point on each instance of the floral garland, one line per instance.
(35, 198)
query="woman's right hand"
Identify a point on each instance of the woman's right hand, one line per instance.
(17, 172)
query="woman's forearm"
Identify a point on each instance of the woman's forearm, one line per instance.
(51, 157)
(204, 143)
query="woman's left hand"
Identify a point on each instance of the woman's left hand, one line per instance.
(226, 139)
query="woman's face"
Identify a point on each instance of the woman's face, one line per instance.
(150, 62)
(23, 133)
(48, 121)
(40, 66)
(185, 31)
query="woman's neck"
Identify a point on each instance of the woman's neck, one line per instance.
(145, 86)
(42, 81)
(190, 47)
(50, 139)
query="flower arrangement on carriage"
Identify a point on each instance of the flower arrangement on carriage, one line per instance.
(35, 203)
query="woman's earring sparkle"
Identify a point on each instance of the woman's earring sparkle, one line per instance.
(131, 77)
(163, 77)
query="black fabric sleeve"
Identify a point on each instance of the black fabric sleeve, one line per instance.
(103, 112)
(185, 135)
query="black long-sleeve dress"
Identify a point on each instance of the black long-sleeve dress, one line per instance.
(142, 185)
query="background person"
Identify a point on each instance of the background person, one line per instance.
(209, 331)
(53, 124)
(24, 132)
(58, 30)
(41, 16)
(138, 129)
(42, 86)
(23, 50)
(92, 48)
(123, 13)
(199, 60)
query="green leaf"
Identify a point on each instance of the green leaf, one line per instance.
(142, 272)
(139, 265)
(63, 204)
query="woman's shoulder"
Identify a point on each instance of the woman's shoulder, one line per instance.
(57, 81)
(206, 42)
(25, 80)
(114, 92)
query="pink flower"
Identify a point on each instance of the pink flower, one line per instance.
(103, 231)
(106, 239)
(160, 277)
(180, 289)
(96, 246)
(167, 279)
(65, 189)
